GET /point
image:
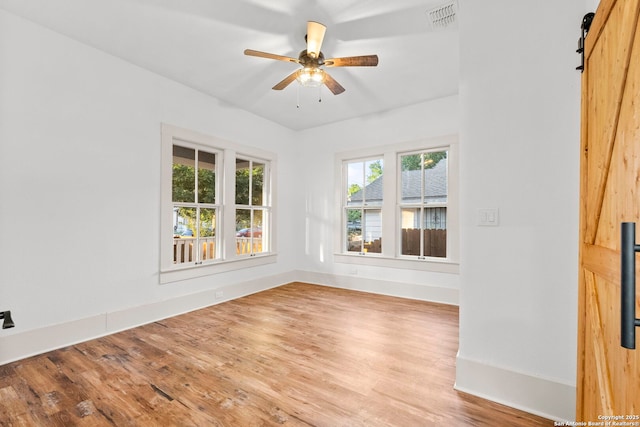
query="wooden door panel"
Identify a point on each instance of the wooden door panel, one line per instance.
(596, 380)
(607, 64)
(608, 374)
(610, 377)
(623, 184)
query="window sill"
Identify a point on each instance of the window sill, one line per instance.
(429, 264)
(193, 271)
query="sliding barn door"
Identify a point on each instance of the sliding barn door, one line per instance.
(608, 374)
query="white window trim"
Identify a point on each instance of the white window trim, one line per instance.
(267, 205)
(217, 206)
(228, 261)
(364, 207)
(422, 205)
(390, 210)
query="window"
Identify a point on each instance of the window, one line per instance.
(216, 205)
(423, 204)
(252, 210)
(195, 207)
(363, 212)
(398, 206)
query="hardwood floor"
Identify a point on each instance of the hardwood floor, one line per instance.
(297, 355)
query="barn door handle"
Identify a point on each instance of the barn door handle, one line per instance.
(628, 285)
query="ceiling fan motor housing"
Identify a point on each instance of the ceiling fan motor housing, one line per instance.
(309, 62)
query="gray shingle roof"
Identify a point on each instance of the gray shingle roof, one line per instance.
(435, 178)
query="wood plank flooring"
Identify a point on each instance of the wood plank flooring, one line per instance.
(297, 355)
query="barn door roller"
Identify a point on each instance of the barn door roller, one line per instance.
(628, 249)
(584, 27)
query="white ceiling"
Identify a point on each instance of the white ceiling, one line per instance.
(200, 43)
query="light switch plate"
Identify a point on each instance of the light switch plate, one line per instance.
(488, 217)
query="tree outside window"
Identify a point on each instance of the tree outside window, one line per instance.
(363, 203)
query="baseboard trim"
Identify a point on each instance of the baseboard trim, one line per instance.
(449, 296)
(539, 396)
(21, 345)
(37, 341)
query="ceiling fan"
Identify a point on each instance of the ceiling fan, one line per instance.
(311, 59)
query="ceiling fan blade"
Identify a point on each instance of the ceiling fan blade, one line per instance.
(251, 52)
(353, 61)
(332, 84)
(286, 81)
(315, 36)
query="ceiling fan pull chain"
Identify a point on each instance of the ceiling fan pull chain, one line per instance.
(319, 93)
(298, 97)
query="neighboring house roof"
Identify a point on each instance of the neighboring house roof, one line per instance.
(436, 189)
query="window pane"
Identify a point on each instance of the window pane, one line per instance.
(257, 184)
(243, 231)
(410, 162)
(183, 235)
(364, 183)
(256, 231)
(257, 219)
(410, 232)
(249, 231)
(435, 232)
(364, 189)
(207, 223)
(354, 230)
(243, 219)
(373, 189)
(184, 221)
(242, 182)
(435, 177)
(206, 177)
(355, 183)
(184, 174)
(411, 180)
(373, 231)
(435, 218)
(207, 233)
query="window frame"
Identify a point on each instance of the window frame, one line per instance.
(423, 205)
(391, 219)
(227, 259)
(265, 207)
(363, 207)
(199, 205)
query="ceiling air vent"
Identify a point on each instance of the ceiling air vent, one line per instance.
(443, 16)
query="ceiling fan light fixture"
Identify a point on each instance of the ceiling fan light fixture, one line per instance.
(310, 77)
(314, 37)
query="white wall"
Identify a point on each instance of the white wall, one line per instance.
(592, 5)
(80, 188)
(317, 162)
(520, 104)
